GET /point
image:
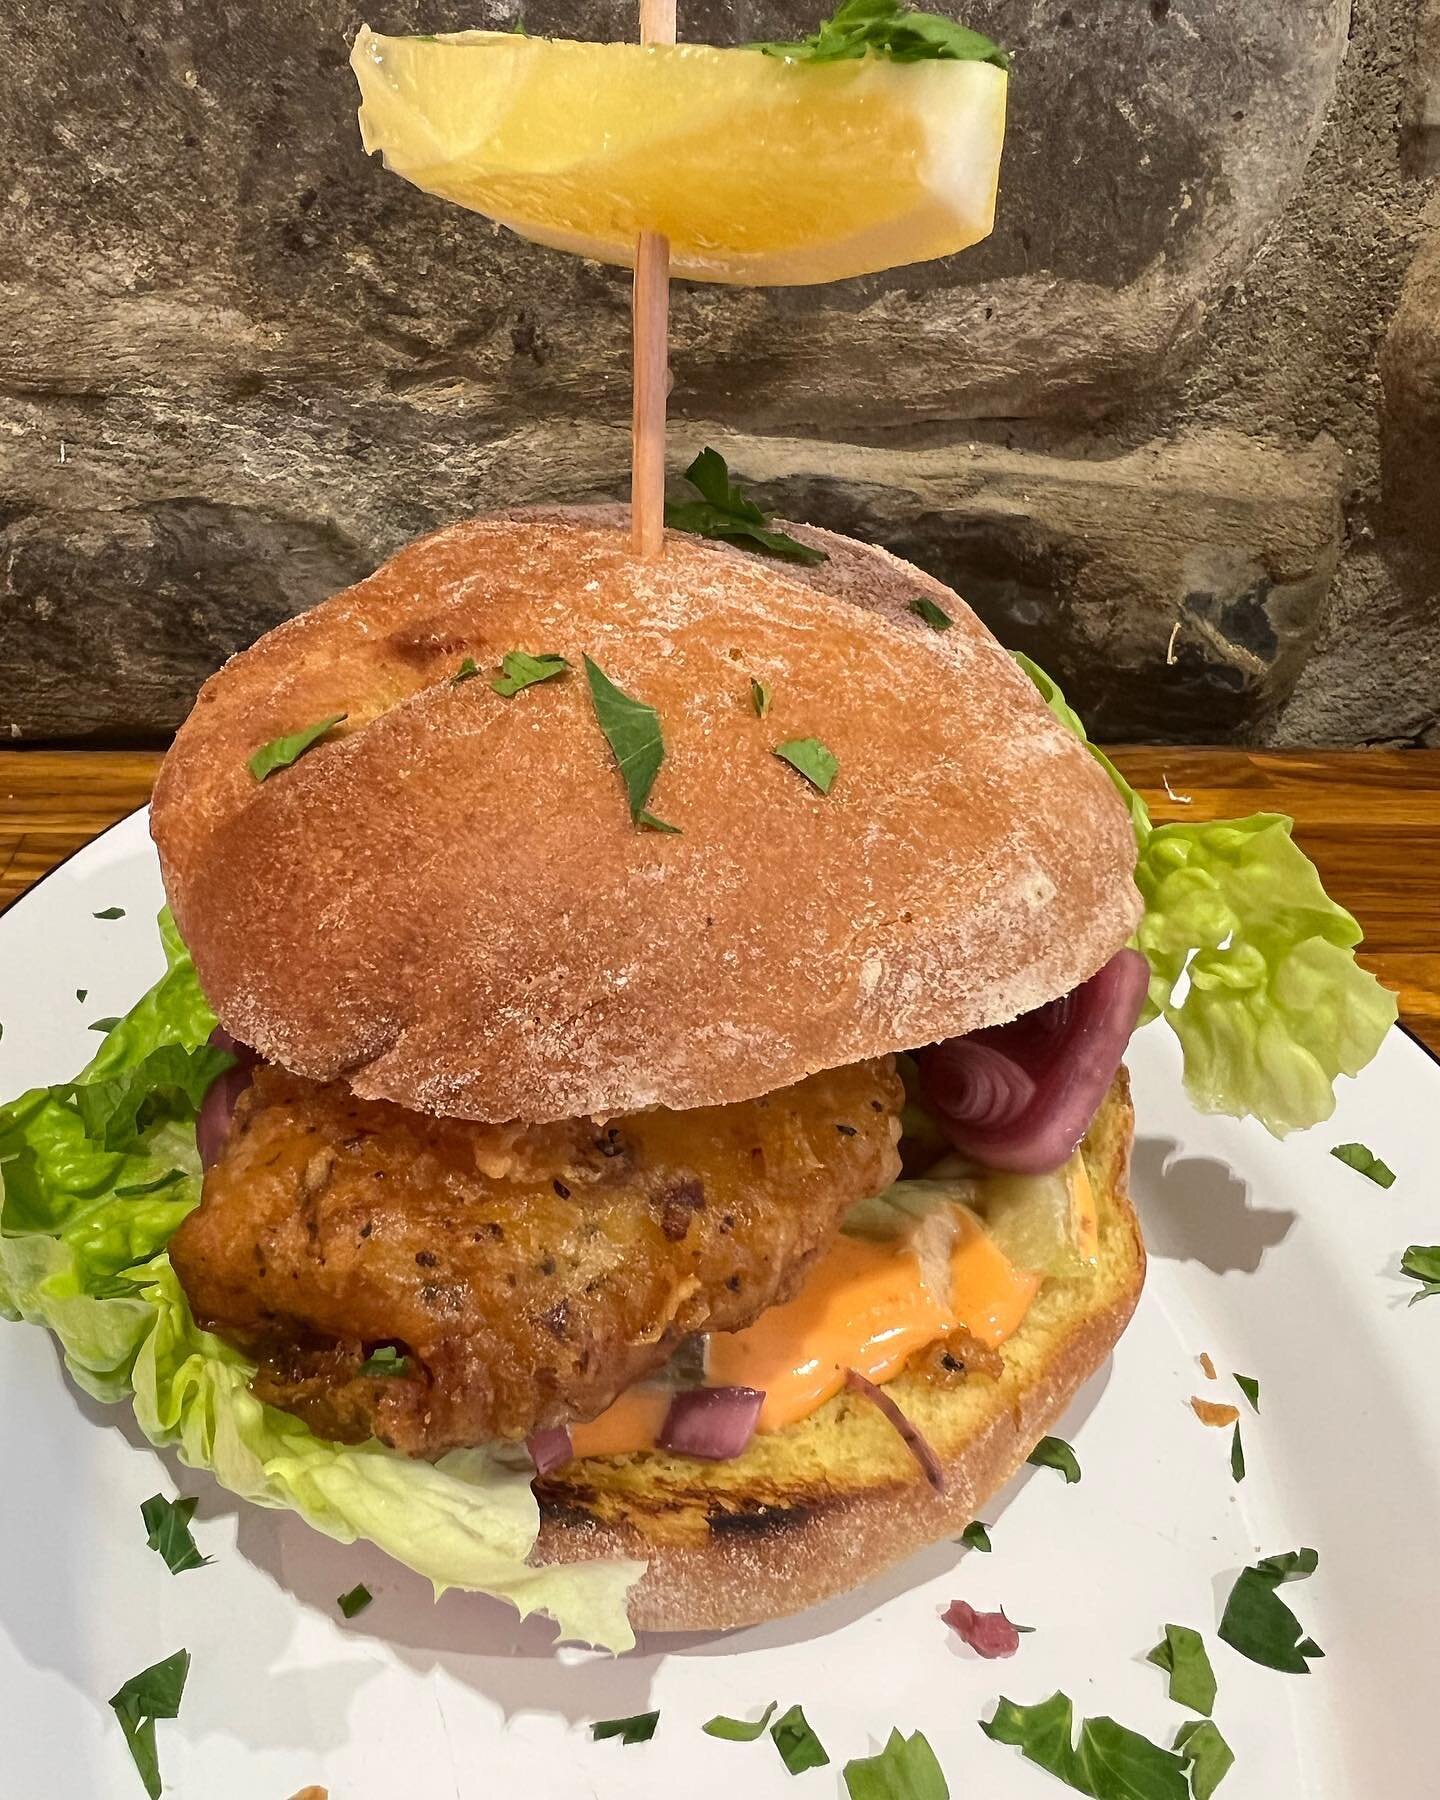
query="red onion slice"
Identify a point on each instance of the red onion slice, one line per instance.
(1021, 1096)
(715, 1423)
(988, 1634)
(217, 1109)
(916, 1444)
(550, 1449)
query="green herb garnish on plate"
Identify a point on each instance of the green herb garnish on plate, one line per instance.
(1184, 1658)
(739, 1731)
(1055, 1453)
(797, 1743)
(1364, 1161)
(1207, 1757)
(167, 1523)
(1108, 1761)
(354, 1603)
(1259, 1624)
(155, 1693)
(906, 1769)
(1421, 1262)
(639, 1728)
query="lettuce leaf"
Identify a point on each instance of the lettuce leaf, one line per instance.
(92, 1268)
(1276, 1006)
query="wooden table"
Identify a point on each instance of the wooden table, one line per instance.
(1369, 818)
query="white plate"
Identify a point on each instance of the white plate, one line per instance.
(1275, 1259)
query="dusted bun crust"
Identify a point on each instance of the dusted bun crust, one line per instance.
(446, 901)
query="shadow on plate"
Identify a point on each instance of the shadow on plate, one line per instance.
(1195, 1209)
(513, 1662)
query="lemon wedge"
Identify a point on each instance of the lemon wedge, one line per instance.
(758, 169)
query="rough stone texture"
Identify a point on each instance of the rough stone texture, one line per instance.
(1185, 624)
(1376, 674)
(241, 234)
(268, 362)
(105, 620)
(1410, 372)
(1420, 119)
(1295, 350)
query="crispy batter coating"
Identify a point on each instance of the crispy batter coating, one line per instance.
(527, 1274)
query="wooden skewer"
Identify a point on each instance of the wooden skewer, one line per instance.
(650, 321)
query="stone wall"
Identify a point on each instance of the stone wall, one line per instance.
(1175, 429)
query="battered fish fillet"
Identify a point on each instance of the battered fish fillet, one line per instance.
(527, 1274)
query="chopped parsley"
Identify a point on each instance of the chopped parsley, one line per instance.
(387, 1360)
(935, 617)
(976, 1536)
(1365, 1162)
(467, 671)
(1055, 1453)
(810, 758)
(638, 1729)
(906, 1769)
(355, 1601)
(760, 697)
(80, 994)
(739, 1731)
(155, 1693)
(1182, 1655)
(1206, 1755)
(1289, 1565)
(167, 1523)
(280, 752)
(1259, 1624)
(110, 912)
(1250, 1388)
(724, 512)
(1108, 1762)
(885, 28)
(107, 1024)
(1421, 1262)
(1237, 1456)
(133, 1192)
(797, 1743)
(632, 731)
(522, 670)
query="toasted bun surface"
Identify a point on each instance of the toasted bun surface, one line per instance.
(821, 1507)
(447, 902)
